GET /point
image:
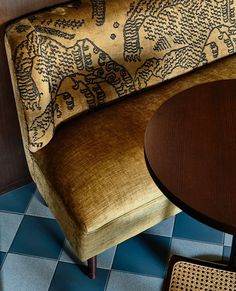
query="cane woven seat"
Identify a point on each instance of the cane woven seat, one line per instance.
(192, 276)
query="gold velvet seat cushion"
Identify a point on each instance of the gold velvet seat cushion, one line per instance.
(96, 163)
(100, 189)
(97, 183)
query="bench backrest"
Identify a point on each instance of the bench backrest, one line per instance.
(75, 57)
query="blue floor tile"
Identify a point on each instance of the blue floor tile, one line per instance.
(2, 257)
(38, 236)
(189, 228)
(71, 277)
(17, 200)
(143, 254)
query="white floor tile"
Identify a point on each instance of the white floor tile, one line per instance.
(228, 240)
(195, 249)
(164, 228)
(105, 259)
(9, 224)
(37, 208)
(120, 281)
(22, 273)
(68, 254)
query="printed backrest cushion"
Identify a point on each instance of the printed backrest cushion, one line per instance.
(78, 56)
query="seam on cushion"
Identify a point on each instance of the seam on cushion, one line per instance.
(128, 213)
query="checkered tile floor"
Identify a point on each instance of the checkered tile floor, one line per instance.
(34, 255)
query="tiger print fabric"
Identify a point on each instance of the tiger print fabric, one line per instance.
(78, 56)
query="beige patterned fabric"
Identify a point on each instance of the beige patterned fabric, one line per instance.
(192, 277)
(75, 57)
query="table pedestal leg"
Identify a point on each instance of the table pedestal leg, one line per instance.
(232, 260)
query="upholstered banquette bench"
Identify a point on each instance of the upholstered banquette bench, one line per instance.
(71, 65)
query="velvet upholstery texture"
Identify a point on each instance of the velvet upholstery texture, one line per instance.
(78, 56)
(99, 177)
(68, 60)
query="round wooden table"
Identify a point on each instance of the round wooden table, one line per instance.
(190, 151)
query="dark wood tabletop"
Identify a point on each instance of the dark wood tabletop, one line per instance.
(190, 150)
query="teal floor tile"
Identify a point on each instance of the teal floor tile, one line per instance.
(72, 277)
(143, 254)
(38, 236)
(226, 253)
(2, 258)
(17, 200)
(188, 228)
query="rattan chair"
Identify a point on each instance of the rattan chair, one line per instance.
(186, 274)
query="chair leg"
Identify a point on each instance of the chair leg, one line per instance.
(92, 265)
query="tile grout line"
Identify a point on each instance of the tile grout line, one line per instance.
(107, 280)
(30, 200)
(17, 189)
(137, 274)
(4, 259)
(222, 256)
(171, 238)
(12, 212)
(62, 249)
(32, 256)
(7, 252)
(17, 213)
(27, 206)
(16, 233)
(50, 216)
(113, 257)
(197, 241)
(22, 214)
(53, 276)
(109, 273)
